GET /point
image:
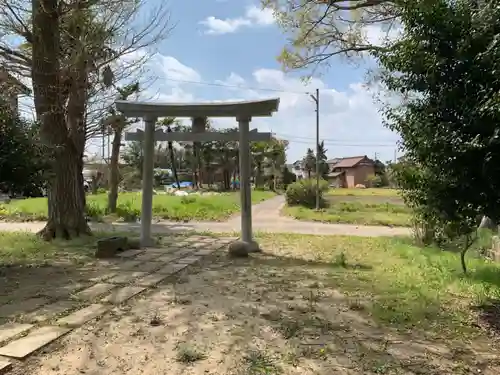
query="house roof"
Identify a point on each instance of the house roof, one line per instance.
(333, 161)
(350, 161)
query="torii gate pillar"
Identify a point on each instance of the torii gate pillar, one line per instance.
(147, 181)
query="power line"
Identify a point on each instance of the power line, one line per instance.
(291, 136)
(236, 86)
(345, 144)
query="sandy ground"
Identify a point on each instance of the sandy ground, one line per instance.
(261, 316)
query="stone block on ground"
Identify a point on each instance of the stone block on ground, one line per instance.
(94, 291)
(82, 316)
(49, 312)
(128, 265)
(149, 255)
(152, 279)
(10, 330)
(148, 266)
(123, 294)
(183, 252)
(170, 269)
(126, 277)
(5, 367)
(189, 260)
(204, 252)
(35, 340)
(110, 247)
(166, 258)
(239, 249)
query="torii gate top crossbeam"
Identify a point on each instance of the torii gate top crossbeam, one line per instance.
(257, 108)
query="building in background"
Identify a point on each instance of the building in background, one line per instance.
(351, 171)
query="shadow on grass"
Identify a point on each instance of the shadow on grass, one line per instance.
(277, 261)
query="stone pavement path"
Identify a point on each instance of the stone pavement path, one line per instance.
(266, 218)
(36, 321)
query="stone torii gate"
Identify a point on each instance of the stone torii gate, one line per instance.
(199, 112)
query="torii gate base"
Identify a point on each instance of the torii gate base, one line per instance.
(199, 112)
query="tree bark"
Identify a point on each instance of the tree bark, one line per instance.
(66, 206)
(114, 172)
(66, 197)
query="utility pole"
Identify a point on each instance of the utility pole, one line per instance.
(316, 100)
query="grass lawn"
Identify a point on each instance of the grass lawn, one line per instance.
(358, 206)
(306, 305)
(375, 192)
(167, 207)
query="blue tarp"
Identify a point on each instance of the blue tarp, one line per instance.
(183, 184)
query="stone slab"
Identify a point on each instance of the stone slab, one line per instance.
(170, 269)
(148, 266)
(10, 330)
(22, 307)
(126, 277)
(128, 264)
(35, 340)
(103, 277)
(148, 255)
(183, 252)
(82, 316)
(5, 367)
(156, 250)
(166, 258)
(130, 253)
(122, 294)
(189, 260)
(94, 291)
(152, 279)
(204, 252)
(197, 245)
(49, 312)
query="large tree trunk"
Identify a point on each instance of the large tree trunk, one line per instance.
(114, 173)
(66, 206)
(66, 198)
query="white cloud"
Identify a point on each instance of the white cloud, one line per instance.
(254, 16)
(350, 122)
(173, 69)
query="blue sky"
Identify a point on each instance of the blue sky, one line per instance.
(235, 43)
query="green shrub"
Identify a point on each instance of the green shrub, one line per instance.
(128, 212)
(102, 191)
(94, 211)
(303, 193)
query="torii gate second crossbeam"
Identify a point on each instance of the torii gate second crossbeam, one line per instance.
(199, 112)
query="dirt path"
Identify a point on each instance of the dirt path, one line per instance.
(271, 314)
(281, 225)
(266, 218)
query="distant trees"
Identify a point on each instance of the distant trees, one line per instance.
(309, 162)
(212, 159)
(22, 161)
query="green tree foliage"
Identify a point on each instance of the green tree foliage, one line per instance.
(445, 69)
(309, 162)
(323, 165)
(21, 162)
(319, 30)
